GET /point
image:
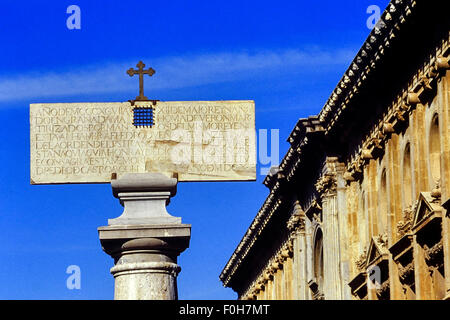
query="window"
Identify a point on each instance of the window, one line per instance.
(143, 117)
(318, 259)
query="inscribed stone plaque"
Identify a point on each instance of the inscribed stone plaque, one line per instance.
(191, 140)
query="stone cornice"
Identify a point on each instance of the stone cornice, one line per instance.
(276, 180)
(268, 209)
(416, 92)
(367, 59)
(308, 132)
(301, 136)
(272, 266)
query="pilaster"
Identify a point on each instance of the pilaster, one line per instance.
(332, 191)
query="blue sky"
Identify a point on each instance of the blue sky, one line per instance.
(287, 56)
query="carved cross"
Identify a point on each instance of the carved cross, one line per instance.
(131, 72)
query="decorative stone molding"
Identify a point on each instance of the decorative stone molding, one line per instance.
(382, 240)
(427, 209)
(326, 184)
(268, 209)
(360, 262)
(354, 170)
(314, 211)
(378, 250)
(306, 132)
(143, 267)
(274, 264)
(434, 255)
(366, 154)
(367, 59)
(317, 219)
(404, 226)
(413, 98)
(442, 63)
(383, 288)
(296, 222)
(436, 192)
(406, 271)
(388, 128)
(403, 257)
(311, 134)
(417, 92)
(315, 206)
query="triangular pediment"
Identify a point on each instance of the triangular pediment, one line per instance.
(377, 249)
(424, 208)
(373, 252)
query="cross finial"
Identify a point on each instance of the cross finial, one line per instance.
(131, 72)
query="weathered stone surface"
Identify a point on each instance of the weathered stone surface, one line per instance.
(145, 281)
(144, 197)
(371, 175)
(145, 240)
(193, 141)
(145, 267)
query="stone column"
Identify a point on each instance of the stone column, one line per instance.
(296, 227)
(332, 203)
(145, 240)
(306, 243)
(331, 250)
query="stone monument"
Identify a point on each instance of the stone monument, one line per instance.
(143, 148)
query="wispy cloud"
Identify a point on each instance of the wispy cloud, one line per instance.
(172, 72)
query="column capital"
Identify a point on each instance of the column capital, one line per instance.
(171, 238)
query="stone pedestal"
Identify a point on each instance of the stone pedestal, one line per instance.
(145, 240)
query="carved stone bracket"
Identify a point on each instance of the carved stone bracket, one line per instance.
(314, 211)
(404, 226)
(360, 261)
(383, 288)
(402, 255)
(420, 91)
(296, 222)
(406, 271)
(434, 255)
(326, 184)
(382, 241)
(354, 170)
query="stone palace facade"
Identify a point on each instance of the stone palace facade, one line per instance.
(359, 207)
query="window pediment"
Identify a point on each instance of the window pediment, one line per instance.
(378, 250)
(427, 209)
